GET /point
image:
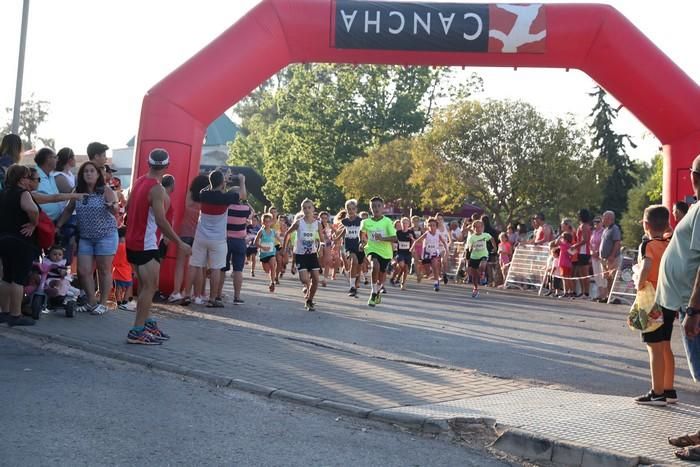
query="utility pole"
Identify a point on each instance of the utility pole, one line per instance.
(20, 68)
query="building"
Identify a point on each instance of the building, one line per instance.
(214, 151)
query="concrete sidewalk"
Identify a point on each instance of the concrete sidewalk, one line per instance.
(211, 345)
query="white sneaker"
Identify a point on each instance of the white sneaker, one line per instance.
(99, 310)
(128, 306)
(200, 301)
(174, 297)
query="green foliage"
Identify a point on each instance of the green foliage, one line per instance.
(385, 171)
(644, 194)
(302, 127)
(611, 148)
(32, 114)
(512, 161)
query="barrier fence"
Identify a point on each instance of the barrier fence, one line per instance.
(528, 267)
(623, 288)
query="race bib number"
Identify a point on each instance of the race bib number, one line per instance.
(266, 246)
(352, 232)
(404, 245)
(308, 243)
(479, 245)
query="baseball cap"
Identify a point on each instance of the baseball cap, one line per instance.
(109, 169)
(96, 148)
(158, 158)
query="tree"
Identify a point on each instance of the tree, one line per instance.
(641, 196)
(31, 115)
(512, 161)
(312, 120)
(611, 148)
(385, 171)
(437, 181)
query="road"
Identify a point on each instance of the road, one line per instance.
(60, 408)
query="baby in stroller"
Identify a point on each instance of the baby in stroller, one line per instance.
(50, 288)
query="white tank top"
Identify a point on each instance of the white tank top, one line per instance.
(431, 244)
(306, 238)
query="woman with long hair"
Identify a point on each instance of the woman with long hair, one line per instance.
(10, 150)
(188, 227)
(96, 216)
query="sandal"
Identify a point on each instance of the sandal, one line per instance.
(690, 453)
(685, 440)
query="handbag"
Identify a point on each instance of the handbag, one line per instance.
(45, 231)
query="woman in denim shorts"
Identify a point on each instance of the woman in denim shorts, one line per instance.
(97, 234)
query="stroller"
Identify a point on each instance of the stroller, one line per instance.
(41, 297)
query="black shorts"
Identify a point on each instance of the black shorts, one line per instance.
(476, 263)
(139, 258)
(360, 255)
(267, 259)
(664, 332)
(404, 256)
(383, 262)
(251, 250)
(583, 260)
(188, 240)
(17, 258)
(307, 262)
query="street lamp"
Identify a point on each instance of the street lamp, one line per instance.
(20, 68)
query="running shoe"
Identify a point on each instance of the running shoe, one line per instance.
(272, 287)
(86, 308)
(186, 301)
(310, 305)
(200, 301)
(475, 293)
(403, 286)
(238, 301)
(671, 396)
(175, 297)
(382, 290)
(216, 303)
(99, 310)
(378, 298)
(444, 278)
(436, 286)
(277, 281)
(252, 273)
(352, 292)
(141, 337)
(127, 306)
(652, 399)
(372, 300)
(153, 329)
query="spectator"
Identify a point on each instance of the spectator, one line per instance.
(97, 232)
(523, 234)
(18, 244)
(609, 251)
(188, 226)
(116, 186)
(680, 209)
(238, 214)
(97, 154)
(582, 266)
(543, 232)
(513, 236)
(210, 248)
(10, 153)
(455, 232)
(46, 160)
(679, 291)
(65, 182)
(596, 265)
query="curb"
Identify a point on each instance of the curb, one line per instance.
(536, 447)
(513, 441)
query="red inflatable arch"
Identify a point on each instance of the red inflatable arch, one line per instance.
(596, 39)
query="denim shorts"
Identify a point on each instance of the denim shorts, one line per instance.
(692, 350)
(106, 246)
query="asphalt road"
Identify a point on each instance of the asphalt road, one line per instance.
(63, 409)
(570, 343)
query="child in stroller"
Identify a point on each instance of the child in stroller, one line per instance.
(50, 287)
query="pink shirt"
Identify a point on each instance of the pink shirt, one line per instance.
(564, 255)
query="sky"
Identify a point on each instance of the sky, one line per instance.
(94, 61)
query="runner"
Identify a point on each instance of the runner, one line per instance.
(306, 251)
(378, 233)
(282, 256)
(478, 253)
(431, 241)
(350, 233)
(444, 235)
(265, 242)
(405, 239)
(325, 254)
(148, 203)
(251, 251)
(418, 250)
(364, 266)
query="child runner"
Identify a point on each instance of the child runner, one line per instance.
(478, 253)
(505, 253)
(325, 253)
(432, 241)
(658, 342)
(405, 238)
(306, 251)
(418, 248)
(350, 233)
(282, 252)
(265, 242)
(565, 264)
(378, 233)
(444, 233)
(251, 251)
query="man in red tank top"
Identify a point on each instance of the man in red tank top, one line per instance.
(146, 221)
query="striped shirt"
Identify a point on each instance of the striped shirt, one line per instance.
(212, 217)
(237, 220)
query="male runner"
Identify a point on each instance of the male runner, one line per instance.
(146, 221)
(378, 234)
